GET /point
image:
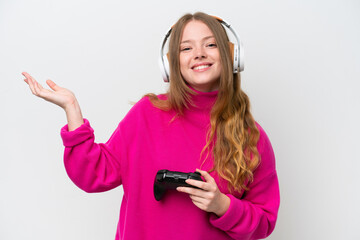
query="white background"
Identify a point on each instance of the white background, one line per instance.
(301, 73)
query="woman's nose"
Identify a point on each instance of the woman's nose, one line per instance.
(200, 53)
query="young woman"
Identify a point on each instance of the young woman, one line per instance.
(203, 123)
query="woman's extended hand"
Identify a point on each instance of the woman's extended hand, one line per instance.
(208, 197)
(58, 95)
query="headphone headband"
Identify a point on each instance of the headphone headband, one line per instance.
(238, 54)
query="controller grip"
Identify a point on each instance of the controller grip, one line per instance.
(166, 179)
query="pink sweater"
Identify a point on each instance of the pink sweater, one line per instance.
(146, 141)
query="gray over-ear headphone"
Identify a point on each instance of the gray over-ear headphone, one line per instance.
(238, 53)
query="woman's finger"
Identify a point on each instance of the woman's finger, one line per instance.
(25, 74)
(199, 184)
(33, 79)
(40, 87)
(52, 85)
(197, 199)
(37, 89)
(199, 204)
(206, 175)
(30, 81)
(31, 86)
(192, 191)
(43, 92)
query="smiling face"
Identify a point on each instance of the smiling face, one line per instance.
(199, 57)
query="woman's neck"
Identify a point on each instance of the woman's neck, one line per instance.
(202, 100)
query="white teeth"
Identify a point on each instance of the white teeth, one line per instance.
(201, 67)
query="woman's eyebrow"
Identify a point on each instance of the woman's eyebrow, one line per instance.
(205, 38)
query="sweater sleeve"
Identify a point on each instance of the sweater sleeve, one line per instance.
(91, 166)
(254, 215)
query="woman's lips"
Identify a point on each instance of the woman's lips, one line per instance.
(201, 67)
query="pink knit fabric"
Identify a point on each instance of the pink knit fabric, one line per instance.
(146, 141)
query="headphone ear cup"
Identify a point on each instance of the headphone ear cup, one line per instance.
(236, 59)
(164, 67)
(232, 53)
(241, 57)
(237, 56)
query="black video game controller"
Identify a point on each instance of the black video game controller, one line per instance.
(166, 179)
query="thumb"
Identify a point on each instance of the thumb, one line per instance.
(52, 85)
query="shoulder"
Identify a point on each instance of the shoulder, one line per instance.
(144, 109)
(265, 149)
(145, 103)
(264, 141)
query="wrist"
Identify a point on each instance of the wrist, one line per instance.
(72, 107)
(224, 205)
(74, 116)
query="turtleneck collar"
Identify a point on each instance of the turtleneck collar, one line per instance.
(203, 100)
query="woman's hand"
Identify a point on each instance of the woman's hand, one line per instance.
(208, 197)
(58, 95)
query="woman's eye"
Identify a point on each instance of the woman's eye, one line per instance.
(212, 45)
(185, 49)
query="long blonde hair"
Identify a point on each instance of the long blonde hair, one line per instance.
(232, 137)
